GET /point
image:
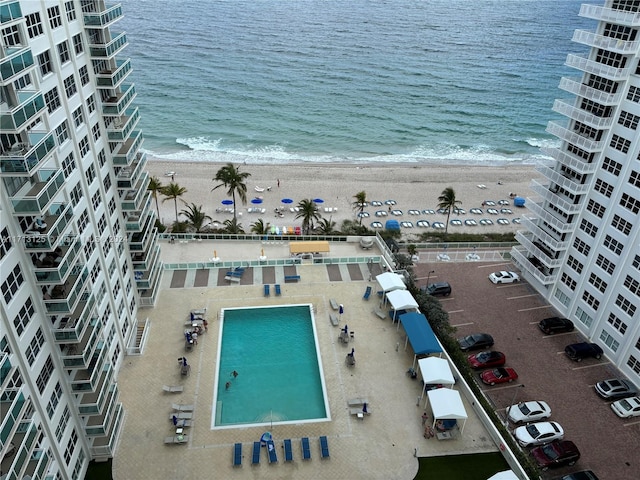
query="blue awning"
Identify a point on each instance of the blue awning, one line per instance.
(392, 225)
(419, 332)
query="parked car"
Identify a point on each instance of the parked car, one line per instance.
(581, 475)
(486, 359)
(615, 388)
(553, 325)
(538, 433)
(627, 407)
(498, 375)
(476, 341)
(525, 412)
(556, 454)
(504, 277)
(438, 289)
(580, 351)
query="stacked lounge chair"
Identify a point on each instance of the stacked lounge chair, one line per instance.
(255, 457)
(324, 447)
(278, 291)
(306, 450)
(237, 455)
(288, 452)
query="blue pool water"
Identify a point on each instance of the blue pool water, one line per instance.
(275, 353)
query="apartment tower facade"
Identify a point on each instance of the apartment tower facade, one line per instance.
(78, 248)
(580, 249)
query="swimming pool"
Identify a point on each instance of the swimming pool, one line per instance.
(274, 351)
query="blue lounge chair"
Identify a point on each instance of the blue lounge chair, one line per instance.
(288, 452)
(255, 459)
(367, 293)
(271, 450)
(278, 291)
(237, 455)
(266, 291)
(306, 450)
(324, 447)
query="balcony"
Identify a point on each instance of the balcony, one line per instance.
(574, 162)
(524, 264)
(620, 17)
(15, 64)
(578, 88)
(99, 425)
(139, 241)
(34, 197)
(78, 355)
(121, 127)
(606, 43)
(29, 104)
(26, 158)
(597, 68)
(561, 225)
(71, 328)
(127, 152)
(555, 199)
(87, 379)
(548, 238)
(582, 116)
(563, 180)
(53, 268)
(573, 138)
(135, 200)
(104, 446)
(64, 298)
(537, 250)
(113, 78)
(148, 278)
(92, 403)
(135, 222)
(146, 259)
(56, 220)
(129, 176)
(103, 19)
(116, 105)
(99, 51)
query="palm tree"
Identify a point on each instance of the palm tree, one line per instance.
(308, 212)
(326, 226)
(155, 187)
(195, 216)
(231, 226)
(447, 201)
(234, 180)
(172, 192)
(259, 227)
(359, 204)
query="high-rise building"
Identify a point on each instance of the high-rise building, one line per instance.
(581, 249)
(78, 247)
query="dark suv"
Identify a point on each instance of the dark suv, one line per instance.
(437, 289)
(553, 325)
(578, 351)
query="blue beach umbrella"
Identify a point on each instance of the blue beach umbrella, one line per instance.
(287, 200)
(227, 202)
(256, 201)
(318, 200)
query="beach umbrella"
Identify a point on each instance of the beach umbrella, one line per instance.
(256, 201)
(227, 202)
(287, 200)
(318, 200)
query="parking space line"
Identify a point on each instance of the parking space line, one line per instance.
(534, 308)
(591, 366)
(462, 324)
(511, 385)
(455, 311)
(494, 265)
(631, 424)
(522, 296)
(511, 285)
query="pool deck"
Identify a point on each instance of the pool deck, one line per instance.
(382, 445)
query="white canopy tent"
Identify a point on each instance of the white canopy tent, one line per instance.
(390, 281)
(435, 371)
(446, 404)
(401, 300)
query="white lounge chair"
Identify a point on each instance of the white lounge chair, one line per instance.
(380, 313)
(176, 439)
(334, 304)
(333, 319)
(182, 408)
(173, 388)
(356, 402)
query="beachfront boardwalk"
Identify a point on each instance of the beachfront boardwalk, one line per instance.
(382, 445)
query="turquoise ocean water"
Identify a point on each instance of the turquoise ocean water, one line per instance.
(279, 81)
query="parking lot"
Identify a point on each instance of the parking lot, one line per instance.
(510, 313)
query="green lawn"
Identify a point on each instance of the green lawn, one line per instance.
(99, 471)
(478, 466)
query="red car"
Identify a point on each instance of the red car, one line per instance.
(487, 359)
(556, 454)
(499, 375)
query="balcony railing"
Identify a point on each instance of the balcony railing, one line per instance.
(78, 355)
(87, 379)
(109, 50)
(113, 78)
(525, 239)
(25, 161)
(573, 138)
(121, 127)
(128, 177)
(93, 402)
(574, 162)
(582, 116)
(620, 17)
(554, 198)
(16, 64)
(128, 149)
(561, 225)
(597, 68)
(607, 43)
(71, 328)
(65, 298)
(519, 257)
(548, 238)
(54, 268)
(105, 18)
(146, 260)
(57, 219)
(566, 182)
(116, 106)
(576, 87)
(34, 198)
(30, 103)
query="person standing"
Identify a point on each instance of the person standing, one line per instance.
(278, 183)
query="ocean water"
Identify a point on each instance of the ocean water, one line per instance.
(280, 81)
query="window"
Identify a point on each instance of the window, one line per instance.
(107, 182)
(78, 118)
(112, 207)
(91, 104)
(5, 243)
(625, 305)
(628, 120)
(76, 195)
(78, 45)
(573, 263)
(596, 208)
(24, 316)
(54, 16)
(581, 246)
(634, 363)
(636, 262)
(68, 165)
(611, 166)
(589, 228)
(592, 301)
(71, 11)
(83, 146)
(22, 82)
(11, 285)
(634, 178)
(70, 86)
(34, 25)
(102, 158)
(71, 446)
(605, 264)
(613, 245)
(63, 52)
(95, 131)
(11, 36)
(44, 60)
(609, 341)
(84, 75)
(62, 132)
(633, 285)
(568, 281)
(83, 220)
(584, 317)
(45, 375)
(621, 224)
(90, 174)
(54, 400)
(52, 99)
(89, 248)
(95, 201)
(62, 426)
(617, 323)
(634, 94)
(630, 203)
(619, 143)
(597, 282)
(604, 188)
(34, 346)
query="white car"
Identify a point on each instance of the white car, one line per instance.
(525, 412)
(538, 433)
(627, 407)
(504, 277)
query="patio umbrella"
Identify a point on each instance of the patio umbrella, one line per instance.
(227, 202)
(287, 200)
(318, 200)
(256, 201)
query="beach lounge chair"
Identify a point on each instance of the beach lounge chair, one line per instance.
(278, 291)
(367, 293)
(237, 455)
(359, 411)
(380, 313)
(199, 311)
(306, 450)
(266, 291)
(181, 415)
(333, 319)
(184, 424)
(255, 458)
(355, 402)
(288, 452)
(271, 450)
(334, 304)
(173, 388)
(324, 447)
(182, 408)
(176, 439)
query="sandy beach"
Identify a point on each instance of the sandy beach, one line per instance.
(411, 186)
